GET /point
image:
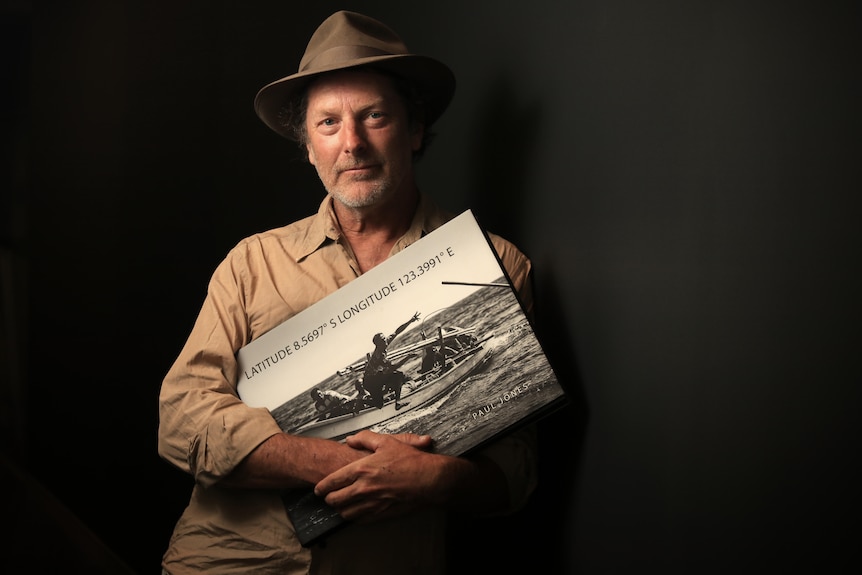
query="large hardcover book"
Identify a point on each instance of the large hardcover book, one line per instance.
(457, 344)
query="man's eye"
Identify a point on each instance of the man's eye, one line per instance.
(328, 122)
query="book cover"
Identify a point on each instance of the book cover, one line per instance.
(432, 341)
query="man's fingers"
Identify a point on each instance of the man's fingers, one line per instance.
(333, 482)
(414, 440)
(370, 441)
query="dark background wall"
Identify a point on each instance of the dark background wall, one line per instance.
(684, 174)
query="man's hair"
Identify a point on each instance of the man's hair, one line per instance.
(293, 112)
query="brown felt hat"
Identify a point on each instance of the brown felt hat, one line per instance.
(351, 40)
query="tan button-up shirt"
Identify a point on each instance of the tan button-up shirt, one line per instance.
(206, 430)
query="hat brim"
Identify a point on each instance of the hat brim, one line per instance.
(434, 79)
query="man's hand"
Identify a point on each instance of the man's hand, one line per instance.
(397, 477)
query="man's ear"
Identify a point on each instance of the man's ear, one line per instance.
(311, 159)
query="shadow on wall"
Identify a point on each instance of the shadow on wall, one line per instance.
(504, 142)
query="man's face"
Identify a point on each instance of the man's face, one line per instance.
(359, 138)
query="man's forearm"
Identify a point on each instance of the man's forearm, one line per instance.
(287, 461)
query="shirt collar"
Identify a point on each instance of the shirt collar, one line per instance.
(322, 230)
(324, 227)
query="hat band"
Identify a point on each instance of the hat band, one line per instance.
(342, 54)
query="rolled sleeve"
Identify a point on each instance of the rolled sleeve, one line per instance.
(205, 429)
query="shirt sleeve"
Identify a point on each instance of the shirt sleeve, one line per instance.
(205, 429)
(515, 453)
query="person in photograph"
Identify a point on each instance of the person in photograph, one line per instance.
(329, 403)
(382, 377)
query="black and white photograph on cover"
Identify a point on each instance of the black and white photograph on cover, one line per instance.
(457, 370)
(433, 341)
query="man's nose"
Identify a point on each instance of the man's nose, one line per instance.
(354, 137)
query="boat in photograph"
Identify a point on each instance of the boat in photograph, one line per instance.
(466, 355)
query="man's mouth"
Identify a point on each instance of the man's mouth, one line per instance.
(358, 167)
(363, 170)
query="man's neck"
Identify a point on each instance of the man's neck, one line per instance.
(372, 232)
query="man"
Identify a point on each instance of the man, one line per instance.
(436, 355)
(362, 107)
(330, 403)
(381, 376)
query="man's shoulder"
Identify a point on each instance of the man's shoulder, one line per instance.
(297, 228)
(291, 237)
(506, 249)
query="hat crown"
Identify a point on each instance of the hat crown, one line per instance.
(347, 36)
(348, 40)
